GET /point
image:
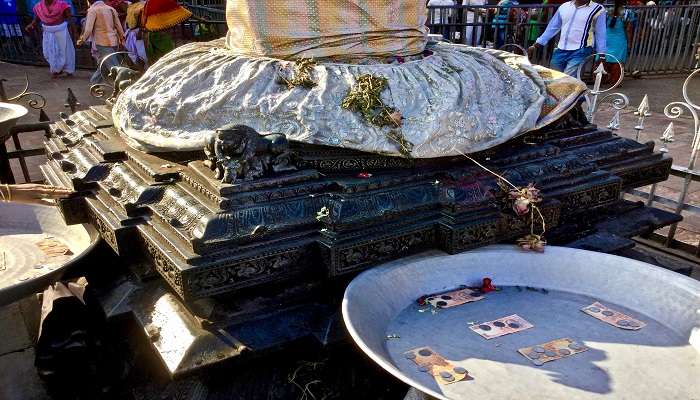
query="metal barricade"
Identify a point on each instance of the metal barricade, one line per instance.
(21, 47)
(210, 12)
(664, 38)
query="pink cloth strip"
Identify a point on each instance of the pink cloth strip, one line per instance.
(50, 15)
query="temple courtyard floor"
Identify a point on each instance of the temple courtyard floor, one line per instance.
(18, 321)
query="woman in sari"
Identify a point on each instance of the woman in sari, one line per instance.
(57, 44)
(619, 35)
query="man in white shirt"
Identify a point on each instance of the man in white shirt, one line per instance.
(582, 26)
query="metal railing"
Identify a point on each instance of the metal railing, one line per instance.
(21, 47)
(688, 173)
(210, 12)
(675, 110)
(664, 38)
(33, 100)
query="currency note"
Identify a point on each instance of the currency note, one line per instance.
(430, 362)
(454, 298)
(502, 326)
(612, 317)
(551, 351)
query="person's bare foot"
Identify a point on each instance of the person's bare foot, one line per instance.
(55, 75)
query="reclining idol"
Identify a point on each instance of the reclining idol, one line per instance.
(344, 73)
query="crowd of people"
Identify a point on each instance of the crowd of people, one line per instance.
(139, 28)
(585, 27)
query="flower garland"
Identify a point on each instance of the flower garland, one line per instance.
(301, 76)
(364, 97)
(524, 202)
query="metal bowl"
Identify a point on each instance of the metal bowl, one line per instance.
(30, 236)
(9, 114)
(659, 361)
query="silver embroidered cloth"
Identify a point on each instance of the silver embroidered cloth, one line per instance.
(457, 100)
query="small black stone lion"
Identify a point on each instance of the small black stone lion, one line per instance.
(238, 152)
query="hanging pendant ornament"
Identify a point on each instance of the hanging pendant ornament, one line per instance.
(532, 242)
(523, 201)
(524, 198)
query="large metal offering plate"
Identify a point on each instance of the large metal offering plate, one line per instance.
(659, 361)
(36, 248)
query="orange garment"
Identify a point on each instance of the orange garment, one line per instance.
(102, 26)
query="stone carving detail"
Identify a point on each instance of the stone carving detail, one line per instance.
(164, 266)
(207, 238)
(352, 258)
(245, 272)
(642, 176)
(238, 152)
(597, 196)
(353, 164)
(107, 234)
(478, 234)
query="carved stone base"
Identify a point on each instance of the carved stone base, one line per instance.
(335, 212)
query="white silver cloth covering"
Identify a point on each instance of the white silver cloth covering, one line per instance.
(459, 99)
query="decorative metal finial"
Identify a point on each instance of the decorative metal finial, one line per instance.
(667, 137)
(643, 108)
(599, 72)
(642, 112)
(71, 101)
(617, 100)
(614, 123)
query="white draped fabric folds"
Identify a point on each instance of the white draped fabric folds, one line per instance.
(58, 48)
(456, 100)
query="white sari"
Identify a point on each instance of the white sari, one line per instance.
(58, 48)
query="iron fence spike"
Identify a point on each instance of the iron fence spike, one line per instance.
(614, 123)
(643, 109)
(669, 134)
(71, 101)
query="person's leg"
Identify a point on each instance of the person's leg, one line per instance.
(69, 67)
(50, 51)
(559, 59)
(577, 58)
(102, 52)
